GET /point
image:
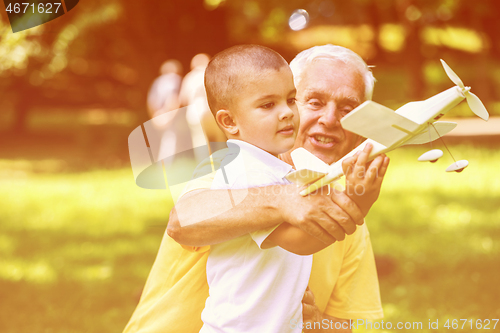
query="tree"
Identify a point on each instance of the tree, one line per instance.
(104, 53)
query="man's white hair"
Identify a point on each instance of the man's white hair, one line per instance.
(333, 52)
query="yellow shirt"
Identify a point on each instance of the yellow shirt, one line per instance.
(343, 280)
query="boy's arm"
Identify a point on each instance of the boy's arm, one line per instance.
(293, 240)
(363, 183)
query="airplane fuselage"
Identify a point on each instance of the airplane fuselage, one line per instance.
(432, 109)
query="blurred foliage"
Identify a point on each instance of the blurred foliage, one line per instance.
(406, 35)
(105, 54)
(76, 258)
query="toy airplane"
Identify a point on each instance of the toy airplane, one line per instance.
(413, 123)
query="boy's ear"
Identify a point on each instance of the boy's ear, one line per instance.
(226, 121)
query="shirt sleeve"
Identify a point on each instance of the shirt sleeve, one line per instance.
(356, 294)
(242, 181)
(260, 236)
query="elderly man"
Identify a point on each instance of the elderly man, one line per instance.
(331, 81)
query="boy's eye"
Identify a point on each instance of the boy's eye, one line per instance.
(291, 100)
(267, 105)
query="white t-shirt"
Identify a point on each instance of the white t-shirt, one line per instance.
(251, 289)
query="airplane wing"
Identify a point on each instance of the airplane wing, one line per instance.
(304, 176)
(379, 123)
(442, 127)
(303, 159)
(309, 167)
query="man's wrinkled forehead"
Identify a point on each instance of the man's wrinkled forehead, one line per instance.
(327, 93)
(326, 77)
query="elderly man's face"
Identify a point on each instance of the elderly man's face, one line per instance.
(329, 89)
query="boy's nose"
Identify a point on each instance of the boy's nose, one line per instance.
(286, 113)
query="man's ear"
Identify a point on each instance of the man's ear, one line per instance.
(225, 119)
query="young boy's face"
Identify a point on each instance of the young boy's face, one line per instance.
(265, 111)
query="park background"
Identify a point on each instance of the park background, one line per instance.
(78, 237)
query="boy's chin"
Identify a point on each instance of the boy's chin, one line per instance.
(283, 149)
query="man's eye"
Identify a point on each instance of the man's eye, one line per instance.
(267, 105)
(346, 109)
(291, 101)
(315, 103)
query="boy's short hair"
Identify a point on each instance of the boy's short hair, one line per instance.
(229, 70)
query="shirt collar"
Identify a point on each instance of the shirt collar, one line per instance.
(266, 160)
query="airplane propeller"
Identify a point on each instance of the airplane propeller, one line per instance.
(474, 102)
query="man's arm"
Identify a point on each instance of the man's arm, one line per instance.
(201, 217)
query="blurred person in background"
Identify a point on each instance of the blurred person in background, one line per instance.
(170, 128)
(193, 95)
(163, 95)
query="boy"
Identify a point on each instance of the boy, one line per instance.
(251, 93)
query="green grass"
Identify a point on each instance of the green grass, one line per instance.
(435, 236)
(76, 247)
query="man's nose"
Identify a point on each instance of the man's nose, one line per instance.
(330, 116)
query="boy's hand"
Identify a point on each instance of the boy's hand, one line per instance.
(364, 180)
(310, 312)
(314, 318)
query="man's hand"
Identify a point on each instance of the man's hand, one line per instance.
(326, 217)
(311, 315)
(363, 179)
